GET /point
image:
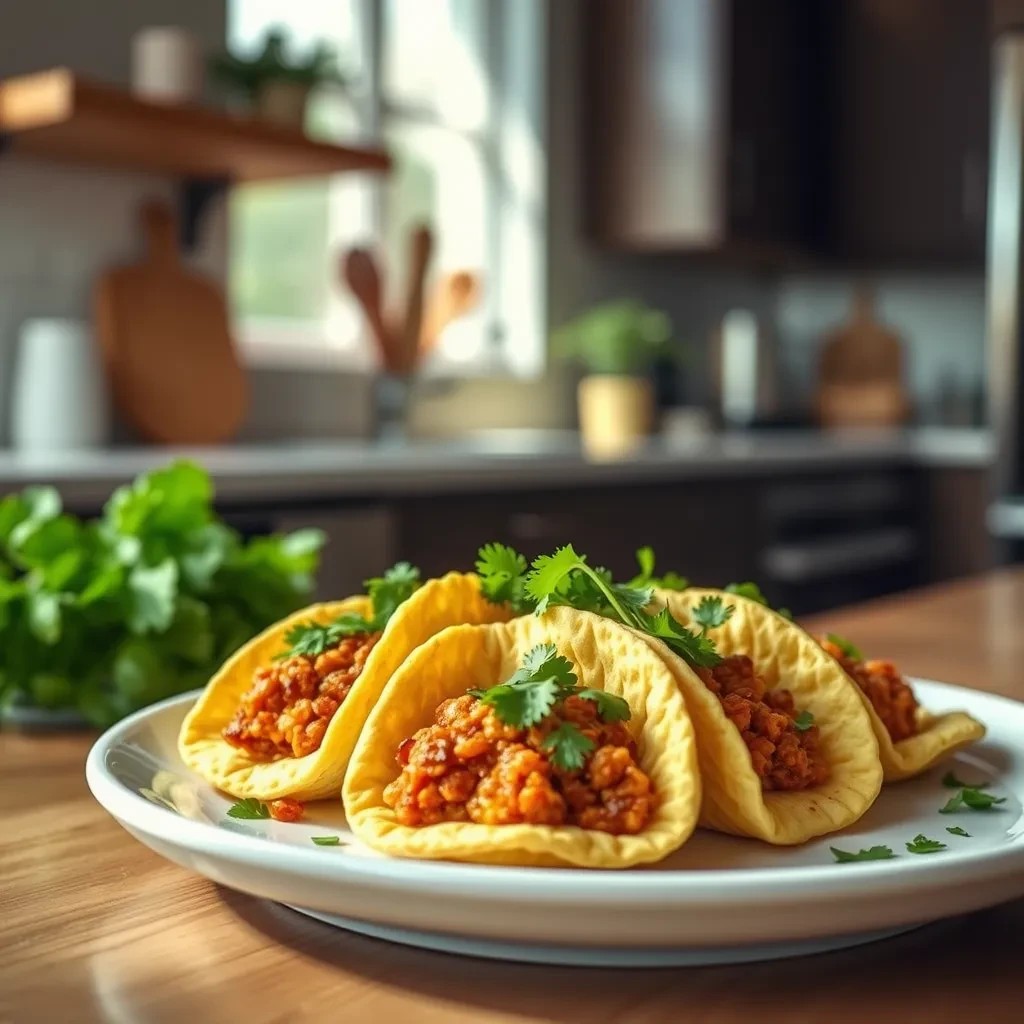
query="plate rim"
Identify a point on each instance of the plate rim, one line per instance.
(724, 887)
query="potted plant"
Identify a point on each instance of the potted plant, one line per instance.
(276, 87)
(618, 344)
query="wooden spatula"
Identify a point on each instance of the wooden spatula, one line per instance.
(165, 336)
(453, 296)
(421, 243)
(362, 275)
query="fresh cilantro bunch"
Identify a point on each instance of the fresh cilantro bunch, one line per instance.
(544, 680)
(566, 578)
(108, 615)
(386, 593)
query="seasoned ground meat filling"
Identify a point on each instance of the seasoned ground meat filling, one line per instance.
(890, 695)
(782, 755)
(469, 766)
(286, 711)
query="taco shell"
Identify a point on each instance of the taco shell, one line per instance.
(734, 800)
(607, 656)
(439, 603)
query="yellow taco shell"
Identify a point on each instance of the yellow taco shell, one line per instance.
(734, 800)
(439, 603)
(607, 656)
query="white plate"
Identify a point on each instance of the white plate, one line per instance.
(718, 899)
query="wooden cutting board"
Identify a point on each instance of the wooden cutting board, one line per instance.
(164, 331)
(861, 371)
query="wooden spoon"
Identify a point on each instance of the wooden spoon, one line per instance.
(420, 247)
(454, 295)
(363, 278)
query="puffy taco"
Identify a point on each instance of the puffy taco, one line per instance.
(786, 746)
(559, 739)
(281, 717)
(910, 738)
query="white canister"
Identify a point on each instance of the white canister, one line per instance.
(59, 400)
(167, 65)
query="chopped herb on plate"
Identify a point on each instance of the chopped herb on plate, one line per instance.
(956, 830)
(872, 853)
(950, 781)
(922, 844)
(249, 809)
(326, 840)
(973, 799)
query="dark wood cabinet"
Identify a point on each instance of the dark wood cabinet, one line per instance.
(702, 118)
(909, 137)
(849, 132)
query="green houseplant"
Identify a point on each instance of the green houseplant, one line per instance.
(100, 618)
(617, 344)
(274, 85)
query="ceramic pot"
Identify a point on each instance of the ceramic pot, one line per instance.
(167, 65)
(59, 400)
(616, 414)
(283, 103)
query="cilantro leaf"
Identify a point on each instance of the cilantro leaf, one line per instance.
(548, 572)
(610, 707)
(502, 572)
(249, 809)
(751, 591)
(153, 595)
(645, 561)
(950, 781)
(310, 639)
(389, 591)
(671, 581)
(645, 577)
(568, 747)
(522, 703)
(544, 662)
(953, 804)
(500, 560)
(711, 612)
(956, 830)
(803, 721)
(326, 840)
(695, 648)
(922, 844)
(785, 613)
(848, 649)
(980, 801)
(873, 853)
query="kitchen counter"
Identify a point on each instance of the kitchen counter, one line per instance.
(501, 460)
(95, 927)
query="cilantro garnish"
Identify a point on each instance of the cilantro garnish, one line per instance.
(502, 572)
(752, 592)
(922, 844)
(973, 799)
(645, 577)
(848, 649)
(568, 747)
(803, 721)
(711, 612)
(873, 853)
(950, 781)
(249, 809)
(326, 840)
(956, 830)
(543, 679)
(386, 593)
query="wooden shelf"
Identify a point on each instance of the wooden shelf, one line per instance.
(60, 116)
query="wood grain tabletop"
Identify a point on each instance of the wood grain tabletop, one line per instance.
(95, 927)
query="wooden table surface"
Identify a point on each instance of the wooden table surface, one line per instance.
(94, 927)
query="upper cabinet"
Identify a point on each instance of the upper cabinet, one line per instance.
(842, 132)
(910, 132)
(701, 122)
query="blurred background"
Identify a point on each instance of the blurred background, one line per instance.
(734, 278)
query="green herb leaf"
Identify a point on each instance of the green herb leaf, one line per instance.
(249, 809)
(873, 853)
(568, 747)
(956, 830)
(980, 801)
(751, 591)
(803, 721)
(922, 844)
(548, 573)
(671, 581)
(953, 804)
(310, 639)
(711, 612)
(785, 613)
(950, 781)
(153, 592)
(502, 572)
(521, 705)
(695, 648)
(645, 561)
(848, 649)
(326, 840)
(610, 707)
(389, 591)
(44, 616)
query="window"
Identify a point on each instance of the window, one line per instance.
(453, 89)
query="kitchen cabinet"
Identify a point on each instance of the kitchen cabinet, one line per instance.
(909, 132)
(839, 132)
(702, 120)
